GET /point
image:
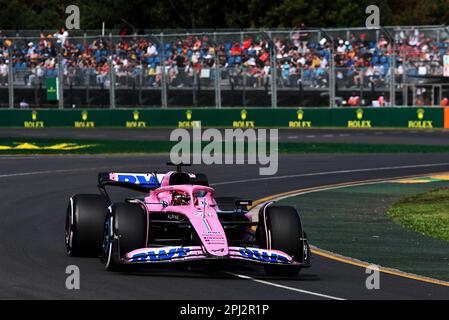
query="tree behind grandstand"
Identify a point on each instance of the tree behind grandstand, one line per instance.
(140, 14)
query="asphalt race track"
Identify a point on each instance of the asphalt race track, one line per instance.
(371, 136)
(34, 194)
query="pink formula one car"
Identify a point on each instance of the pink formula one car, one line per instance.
(181, 221)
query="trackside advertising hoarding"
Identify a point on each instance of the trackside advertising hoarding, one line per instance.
(413, 118)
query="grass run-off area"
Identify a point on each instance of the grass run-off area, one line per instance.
(88, 146)
(426, 213)
(354, 222)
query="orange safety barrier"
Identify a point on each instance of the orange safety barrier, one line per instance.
(446, 118)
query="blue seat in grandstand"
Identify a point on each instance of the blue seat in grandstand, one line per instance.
(136, 72)
(238, 59)
(412, 72)
(231, 61)
(21, 66)
(227, 47)
(50, 73)
(319, 72)
(306, 74)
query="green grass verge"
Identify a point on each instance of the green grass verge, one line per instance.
(353, 222)
(107, 146)
(292, 147)
(426, 213)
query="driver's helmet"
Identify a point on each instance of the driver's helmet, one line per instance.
(180, 198)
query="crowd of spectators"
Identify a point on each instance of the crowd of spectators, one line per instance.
(301, 59)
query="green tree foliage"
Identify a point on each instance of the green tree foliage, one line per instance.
(212, 14)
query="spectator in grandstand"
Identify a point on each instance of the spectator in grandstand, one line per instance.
(102, 72)
(151, 50)
(37, 74)
(265, 74)
(180, 65)
(298, 58)
(381, 101)
(236, 75)
(61, 36)
(286, 73)
(356, 76)
(24, 105)
(121, 71)
(4, 70)
(354, 100)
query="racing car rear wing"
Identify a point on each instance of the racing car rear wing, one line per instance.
(143, 182)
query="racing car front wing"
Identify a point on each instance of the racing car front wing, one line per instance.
(191, 253)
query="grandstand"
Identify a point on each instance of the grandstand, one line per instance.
(400, 66)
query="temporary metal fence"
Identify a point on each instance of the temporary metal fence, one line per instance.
(215, 74)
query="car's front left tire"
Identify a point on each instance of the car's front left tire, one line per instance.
(84, 224)
(281, 229)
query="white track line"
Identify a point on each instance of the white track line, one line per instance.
(241, 276)
(332, 172)
(20, 174)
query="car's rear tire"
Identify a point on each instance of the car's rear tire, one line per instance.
(125, 229)
(283, 232)
(84, 224)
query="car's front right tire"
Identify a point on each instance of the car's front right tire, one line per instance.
(125, 229)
